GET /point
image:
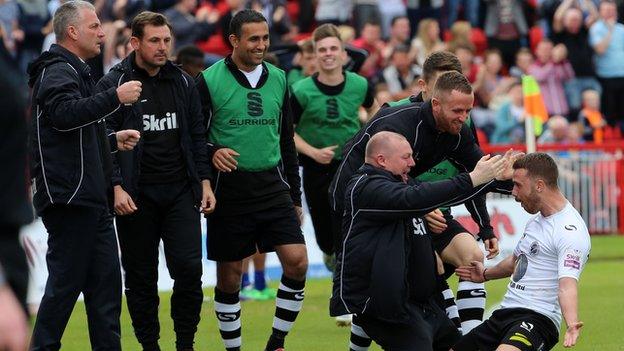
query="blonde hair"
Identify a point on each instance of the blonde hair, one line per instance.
(423, 33)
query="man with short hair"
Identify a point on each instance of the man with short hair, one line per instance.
(250, 141)
(71, 165)
(544, 268)
(454, 243)
(191, 60)
(162, 186)
(386, 268)
(325, 110)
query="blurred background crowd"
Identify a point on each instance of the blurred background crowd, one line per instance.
(573, 48)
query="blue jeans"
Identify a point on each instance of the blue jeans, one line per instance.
(575, 87)
(471, 11)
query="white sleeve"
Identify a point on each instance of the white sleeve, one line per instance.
(573, 251)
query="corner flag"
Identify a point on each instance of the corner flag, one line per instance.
(534, 103)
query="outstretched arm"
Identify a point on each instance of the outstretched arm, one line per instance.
(477, 273)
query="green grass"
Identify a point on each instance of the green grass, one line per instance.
(601, 308)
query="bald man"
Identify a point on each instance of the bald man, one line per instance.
(386, 244)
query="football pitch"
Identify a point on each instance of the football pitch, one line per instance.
(601, 308)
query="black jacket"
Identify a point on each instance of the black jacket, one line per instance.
(14, 198)
(126, 165)
(372, 265)
(416, 123)
(70, 154)
(240, 192)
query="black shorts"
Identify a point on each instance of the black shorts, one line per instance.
(442, 240)
(519, 327)
(429, 329)
(232, 238)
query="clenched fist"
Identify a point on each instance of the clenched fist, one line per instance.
(127, 139)
(129, 92)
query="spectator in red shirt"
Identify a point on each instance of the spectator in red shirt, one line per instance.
(370, 40)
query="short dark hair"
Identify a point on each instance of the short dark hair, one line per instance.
(190, 54)
(243, 17)
(148, 18)
(449, 81)
(400, 48)
(396, 18)
(440, 61)
(539, 165)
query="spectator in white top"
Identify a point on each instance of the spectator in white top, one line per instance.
(401, 74)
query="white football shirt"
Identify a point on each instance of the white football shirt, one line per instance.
(551, 248)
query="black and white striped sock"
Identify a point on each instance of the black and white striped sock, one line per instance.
(471, 304)
(228, 310)
(451, 307)
(288, 303)
(359, 341)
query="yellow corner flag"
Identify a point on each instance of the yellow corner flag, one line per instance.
(534, 103)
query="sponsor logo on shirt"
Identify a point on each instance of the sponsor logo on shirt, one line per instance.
(570, 227)
(254, 110)
(153, 124)
(572, 259)
(419, 226)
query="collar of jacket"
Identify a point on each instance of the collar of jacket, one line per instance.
(416, 98)
(79, 65)
(371, 170)
(129, 66)
(427, 112)
(240, 77)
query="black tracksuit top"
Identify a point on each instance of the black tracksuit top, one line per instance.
(372, 266)
(70, 153)
(416, 123)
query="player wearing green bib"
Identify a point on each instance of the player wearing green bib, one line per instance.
(257, 186)
(325, 111)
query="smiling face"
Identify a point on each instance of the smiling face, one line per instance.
(88, 34)
(153, 48)
(450, 110)
(397, 159)
(251, 47)
(525, 191)
(329, 54)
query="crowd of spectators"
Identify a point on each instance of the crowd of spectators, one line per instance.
(573, 48)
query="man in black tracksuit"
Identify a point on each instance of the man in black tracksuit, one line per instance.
(71, 163)
(160, 186)
(386, 268)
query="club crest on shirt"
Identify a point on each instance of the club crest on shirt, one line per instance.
(535, 248)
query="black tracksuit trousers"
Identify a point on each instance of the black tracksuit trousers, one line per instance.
(168, 212)
(82, 257)
(316, 180)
